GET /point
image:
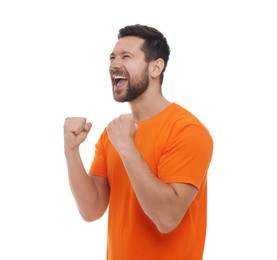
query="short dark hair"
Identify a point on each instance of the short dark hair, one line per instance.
(155, 45)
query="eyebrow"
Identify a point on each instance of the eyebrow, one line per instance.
(122, 53)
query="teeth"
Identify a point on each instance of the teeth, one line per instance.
(119, 77)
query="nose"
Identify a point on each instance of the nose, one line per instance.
(115, 63)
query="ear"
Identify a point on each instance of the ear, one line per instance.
(156, 67)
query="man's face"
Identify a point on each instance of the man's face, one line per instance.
(128, 69)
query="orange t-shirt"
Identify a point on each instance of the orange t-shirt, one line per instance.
(177, 148)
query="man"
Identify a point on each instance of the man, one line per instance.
(150, 166)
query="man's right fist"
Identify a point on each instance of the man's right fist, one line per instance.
(76, 130)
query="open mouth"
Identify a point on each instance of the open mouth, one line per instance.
(119, 81)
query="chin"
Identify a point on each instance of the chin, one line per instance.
(119, 99)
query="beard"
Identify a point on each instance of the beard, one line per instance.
(136, 87)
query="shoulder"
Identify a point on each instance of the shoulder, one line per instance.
(182, 117)
(103, 140)
(185, 125)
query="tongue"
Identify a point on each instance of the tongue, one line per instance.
(120, 83)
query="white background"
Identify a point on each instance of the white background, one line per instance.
(54, 58)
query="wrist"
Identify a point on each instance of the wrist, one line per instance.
(127, 150)
(71, 152)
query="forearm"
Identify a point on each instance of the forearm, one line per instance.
(82, 187)
(159, 200)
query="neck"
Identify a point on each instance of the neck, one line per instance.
(143, 109)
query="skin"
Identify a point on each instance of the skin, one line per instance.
(165, 204)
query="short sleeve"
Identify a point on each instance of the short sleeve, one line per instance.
(99, 166)
(187, 155)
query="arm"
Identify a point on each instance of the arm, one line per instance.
(91, 193)
(165, 204)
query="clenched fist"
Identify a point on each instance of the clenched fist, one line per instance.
(76, 130)
(122, 131)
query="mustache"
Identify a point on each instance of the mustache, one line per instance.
(117, 72)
